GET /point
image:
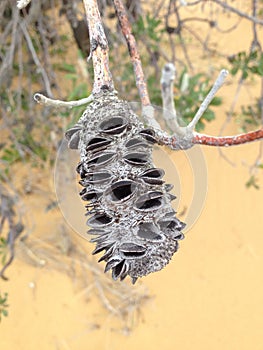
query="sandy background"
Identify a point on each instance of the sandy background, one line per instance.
(210, 295)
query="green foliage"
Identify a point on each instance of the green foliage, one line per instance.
(250, 116)
(190, 91)
(10, 155)
(148, 27)
(3, 305)
(247, 63)
(3, 250)
(252, 183)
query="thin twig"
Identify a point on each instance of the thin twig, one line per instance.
(39, 98)
(238, 12)
(36, 59)
(218, 83)
(147, 109)
(133, 51)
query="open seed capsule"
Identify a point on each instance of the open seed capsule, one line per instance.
(70, 132)
(113, 126)
(97, 144)
(74, 140)
(101, 159)
(171, 224)
(149, 135)
(99, 220)
(91, 195)
(132, 250)
(98, 177)
(136, 158)
(149, 231)
(150, 201)
(121, 191)
(153, 176)
(136, 143)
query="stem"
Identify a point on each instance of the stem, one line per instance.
(133, 51)
(218, 83)
(39, 98)
(169, 111)
(225, 141)
(98, 49)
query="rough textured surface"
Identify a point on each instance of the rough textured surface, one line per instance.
(129, 205)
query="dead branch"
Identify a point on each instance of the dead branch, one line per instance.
(98, 49)
(133, 51)
(226, 141)
(41, 99)
(238, 12)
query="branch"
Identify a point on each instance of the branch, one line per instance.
(238, 12)
(185, 137)
(226, 141)
(133, 51)
(36, 59)
(41, 99)
(147, 109)
(218, 83)
(98, 49)
(169, 112)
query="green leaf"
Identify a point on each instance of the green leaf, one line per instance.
(208, 115)
(234, 70)
(252, 182)
(216, 101)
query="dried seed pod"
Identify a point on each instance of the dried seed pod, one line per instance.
(129, 205)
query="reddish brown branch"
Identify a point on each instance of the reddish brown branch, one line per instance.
(133, 51)
(98, 48)
(225, 141)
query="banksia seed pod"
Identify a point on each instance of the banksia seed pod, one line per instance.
(129, 205)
